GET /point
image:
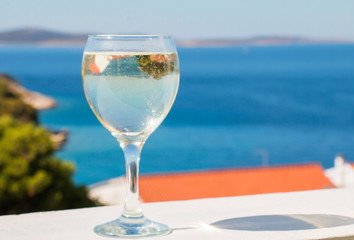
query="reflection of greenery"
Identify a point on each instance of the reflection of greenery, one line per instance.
(154, 68)
(88, 60)
(31, 178)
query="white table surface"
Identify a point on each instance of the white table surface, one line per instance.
(256, 217)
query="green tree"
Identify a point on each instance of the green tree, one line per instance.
(31, 179)
(11, 103)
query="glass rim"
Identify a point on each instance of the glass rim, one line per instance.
(129, 36)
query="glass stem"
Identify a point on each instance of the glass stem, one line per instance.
(132, 157)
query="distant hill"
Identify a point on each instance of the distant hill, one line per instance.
(260, 41)
(34, 36)
(41, 37)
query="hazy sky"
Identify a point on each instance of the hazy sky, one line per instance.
(185, 19)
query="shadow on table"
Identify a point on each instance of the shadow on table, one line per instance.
(283, 222)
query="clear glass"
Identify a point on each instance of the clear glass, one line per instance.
(130, 83)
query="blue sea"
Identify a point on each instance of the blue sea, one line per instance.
(236, 107)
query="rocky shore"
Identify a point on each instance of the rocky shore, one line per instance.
(35, 100)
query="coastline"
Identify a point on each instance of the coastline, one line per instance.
(36, 100)
(47, 38)
(39, 102)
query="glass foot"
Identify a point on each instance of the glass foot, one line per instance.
(124, 227)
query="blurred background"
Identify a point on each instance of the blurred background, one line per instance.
(262, 83)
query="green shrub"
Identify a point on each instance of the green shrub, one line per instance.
(11, 103)
(31, 179)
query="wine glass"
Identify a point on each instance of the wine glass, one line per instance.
(130, 82)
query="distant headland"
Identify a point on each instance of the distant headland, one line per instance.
(34, 36)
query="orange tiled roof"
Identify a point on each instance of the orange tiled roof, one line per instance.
(233, 182)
